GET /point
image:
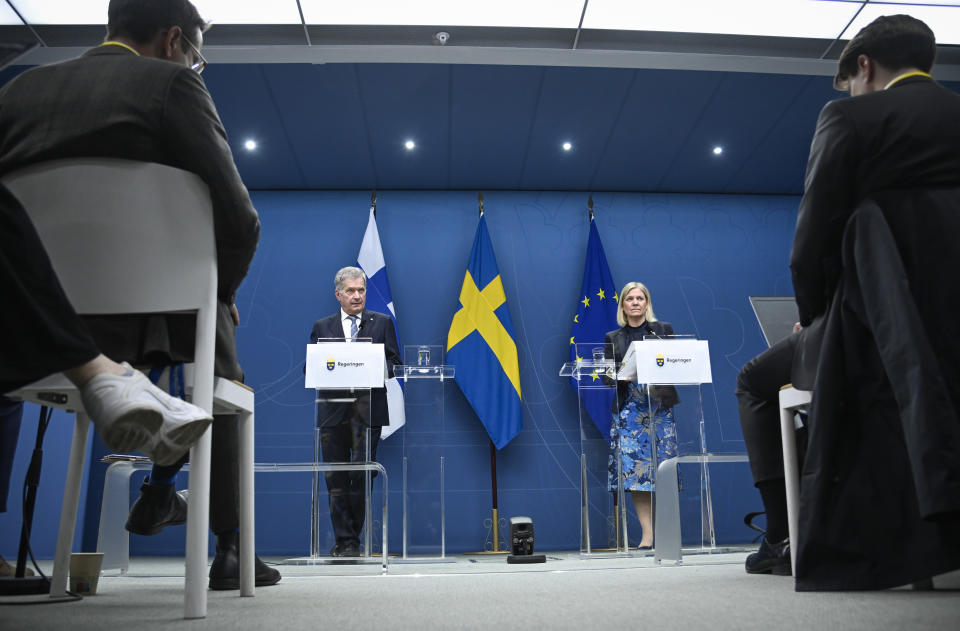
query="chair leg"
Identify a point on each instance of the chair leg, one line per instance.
(198, 520)
(247, 550)
(71, 501)
(791, 476)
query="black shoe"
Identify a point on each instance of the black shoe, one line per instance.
(157, 507)
(225, 571)
(347, 549)
(771, 558)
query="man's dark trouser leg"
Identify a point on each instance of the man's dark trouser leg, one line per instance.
(758, 393)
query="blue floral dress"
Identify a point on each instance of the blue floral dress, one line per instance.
(630, 432)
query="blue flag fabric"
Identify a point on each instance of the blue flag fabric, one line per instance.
(371, 261)
(481, 346)
(596, 315)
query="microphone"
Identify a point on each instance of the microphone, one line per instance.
(651, 331)
(363, 323)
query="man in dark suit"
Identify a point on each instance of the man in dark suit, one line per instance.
(896, 140)
(139, 96)
(350, 423)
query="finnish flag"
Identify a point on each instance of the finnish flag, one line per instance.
(370, 260)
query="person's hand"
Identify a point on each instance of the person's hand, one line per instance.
(797, 326)
(236, 314)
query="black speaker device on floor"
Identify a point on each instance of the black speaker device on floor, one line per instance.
(521, 542)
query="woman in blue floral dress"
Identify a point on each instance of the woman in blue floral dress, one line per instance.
(630, 433)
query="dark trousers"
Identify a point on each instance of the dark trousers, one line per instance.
(224, 474)
(347, 442)
(42, 334)
(758, 395)
(11, 413)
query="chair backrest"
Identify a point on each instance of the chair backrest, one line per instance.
(123, 236)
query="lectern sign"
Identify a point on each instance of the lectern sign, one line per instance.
(344, 365)
(667, 361)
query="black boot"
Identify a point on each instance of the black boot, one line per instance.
(771, 558)
(157, 507)
(225, 571)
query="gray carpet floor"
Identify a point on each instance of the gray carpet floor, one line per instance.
(484, 592)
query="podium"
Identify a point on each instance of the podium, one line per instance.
(424, 377)
(603, 525)
(342, 372)
(683, 364)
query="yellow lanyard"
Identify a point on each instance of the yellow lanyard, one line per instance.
(112, 43)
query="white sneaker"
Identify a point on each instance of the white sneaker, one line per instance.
(131, 413)
(124, 413)
(174, 439)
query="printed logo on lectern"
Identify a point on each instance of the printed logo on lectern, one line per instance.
(660, 359)
(331, 363)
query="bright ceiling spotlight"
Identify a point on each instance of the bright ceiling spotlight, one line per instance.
(409, 145)
(567, 146)
(717, 150)
(250, 145)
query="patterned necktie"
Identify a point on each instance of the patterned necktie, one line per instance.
(353, 326)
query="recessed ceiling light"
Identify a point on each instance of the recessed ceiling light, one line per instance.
(409, 145)
(567, 146)
(250, 145)
(717, 150)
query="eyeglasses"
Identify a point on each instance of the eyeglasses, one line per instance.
(201, 62)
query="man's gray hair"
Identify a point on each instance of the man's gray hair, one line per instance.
(348, 272)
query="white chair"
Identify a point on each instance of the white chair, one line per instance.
(133, 237)
(791, 401)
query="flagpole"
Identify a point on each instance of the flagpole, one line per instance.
(590, 206)
(373, 202)
(494, 509)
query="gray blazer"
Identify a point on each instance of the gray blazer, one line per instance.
(111, 102)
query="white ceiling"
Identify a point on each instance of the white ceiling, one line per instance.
(824, 19)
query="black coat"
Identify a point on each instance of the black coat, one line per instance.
(379, 328)
(880, 485)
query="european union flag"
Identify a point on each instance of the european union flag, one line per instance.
(481, 345)
(596, 314)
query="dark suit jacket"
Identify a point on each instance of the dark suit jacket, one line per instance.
(875, 254)
(905, 137)
(113, 103)
(379, 328)
(618, 338)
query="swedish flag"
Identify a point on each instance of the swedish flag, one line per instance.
(481, 345)
(596, 314)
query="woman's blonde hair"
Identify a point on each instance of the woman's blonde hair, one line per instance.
(621, 318)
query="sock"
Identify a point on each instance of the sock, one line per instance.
(774, 496)
(163, 476)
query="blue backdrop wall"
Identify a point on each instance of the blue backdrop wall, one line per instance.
(700, 255)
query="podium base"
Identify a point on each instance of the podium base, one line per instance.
(527, 558)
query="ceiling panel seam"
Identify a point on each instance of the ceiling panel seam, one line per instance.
(613, 129)
(693, 126)
(280, 120)
(449, 123)
(843, 30)
(366, 126)
(533, 124)
(767, 133)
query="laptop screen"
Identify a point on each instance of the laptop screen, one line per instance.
(776, 315)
